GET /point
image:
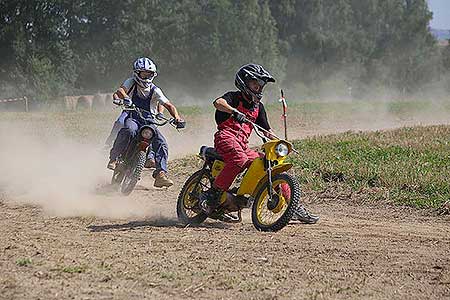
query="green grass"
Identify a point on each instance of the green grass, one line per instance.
(188, 111)
(73, 269)
(22, 262)
(403, 108)
(410, 165)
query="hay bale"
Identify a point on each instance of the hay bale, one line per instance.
(108, 98)
(71, 102)
(84, 102)
(98, 102)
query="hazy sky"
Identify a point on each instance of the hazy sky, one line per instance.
(441, 13)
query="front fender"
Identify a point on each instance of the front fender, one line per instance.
(276, 170)
(257, 175)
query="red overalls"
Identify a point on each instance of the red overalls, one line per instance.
(231, 142)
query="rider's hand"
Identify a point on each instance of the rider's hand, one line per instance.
(238, 116)
(127, 101)
(117, 101)
(159, 116)
(180, 123)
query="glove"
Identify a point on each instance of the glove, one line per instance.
(180, 124)
(117, 101)
(239, 117)
(127, 102)
(159, 116)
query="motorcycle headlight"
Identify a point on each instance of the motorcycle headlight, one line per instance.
(282, 149)
(147, 133)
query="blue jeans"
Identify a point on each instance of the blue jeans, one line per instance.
(159, 145)
(118, 125)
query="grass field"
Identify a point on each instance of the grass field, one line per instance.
(408, 166)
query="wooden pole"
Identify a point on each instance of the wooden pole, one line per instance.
(26, 103)
(284, 116)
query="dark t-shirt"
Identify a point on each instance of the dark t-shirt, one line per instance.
(233, 99)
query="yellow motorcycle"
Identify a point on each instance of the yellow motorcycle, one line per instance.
(265, 187)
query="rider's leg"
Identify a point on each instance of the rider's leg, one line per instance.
(235, 159)
(150, 162)
(118, 124)
(251, 156)
(161, 150)
(151, 154)
(122, 140)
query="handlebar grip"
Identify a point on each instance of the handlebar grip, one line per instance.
(180, 125)
(117, 102)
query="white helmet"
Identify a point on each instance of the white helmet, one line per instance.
(144, 64)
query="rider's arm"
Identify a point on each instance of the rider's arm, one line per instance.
(160, 108)
(172, 110)
(163, 102)
(120, 93)
(124, 89)
(222, 105)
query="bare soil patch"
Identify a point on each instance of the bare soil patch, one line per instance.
(356, 251)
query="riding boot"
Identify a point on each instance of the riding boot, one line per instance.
(210, 200)
(302, 215)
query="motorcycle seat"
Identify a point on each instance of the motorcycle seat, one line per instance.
(209, 153)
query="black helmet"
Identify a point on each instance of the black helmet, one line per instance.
(252, 72)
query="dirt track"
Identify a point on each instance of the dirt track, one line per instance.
(356, 251)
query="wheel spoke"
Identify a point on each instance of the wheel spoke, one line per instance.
(267, 216)
(203, 185)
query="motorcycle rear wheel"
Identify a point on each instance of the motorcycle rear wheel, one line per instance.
(188, 210)
(275, 214)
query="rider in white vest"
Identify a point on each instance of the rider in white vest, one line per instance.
(140, 91)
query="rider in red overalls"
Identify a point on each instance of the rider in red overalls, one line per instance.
(231, 139)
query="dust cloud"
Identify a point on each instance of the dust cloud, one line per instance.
(64, 177)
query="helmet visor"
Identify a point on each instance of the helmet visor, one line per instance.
(146, 74)
(256, 85)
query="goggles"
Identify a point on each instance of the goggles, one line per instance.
(261, 82)
(146, 74)
(256, 85)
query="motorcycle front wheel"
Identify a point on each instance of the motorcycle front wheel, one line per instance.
(274, 214)
(133, 174)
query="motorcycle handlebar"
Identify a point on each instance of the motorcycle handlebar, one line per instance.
(259, 129)
(152, 120)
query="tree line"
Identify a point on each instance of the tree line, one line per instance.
(63, 47)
